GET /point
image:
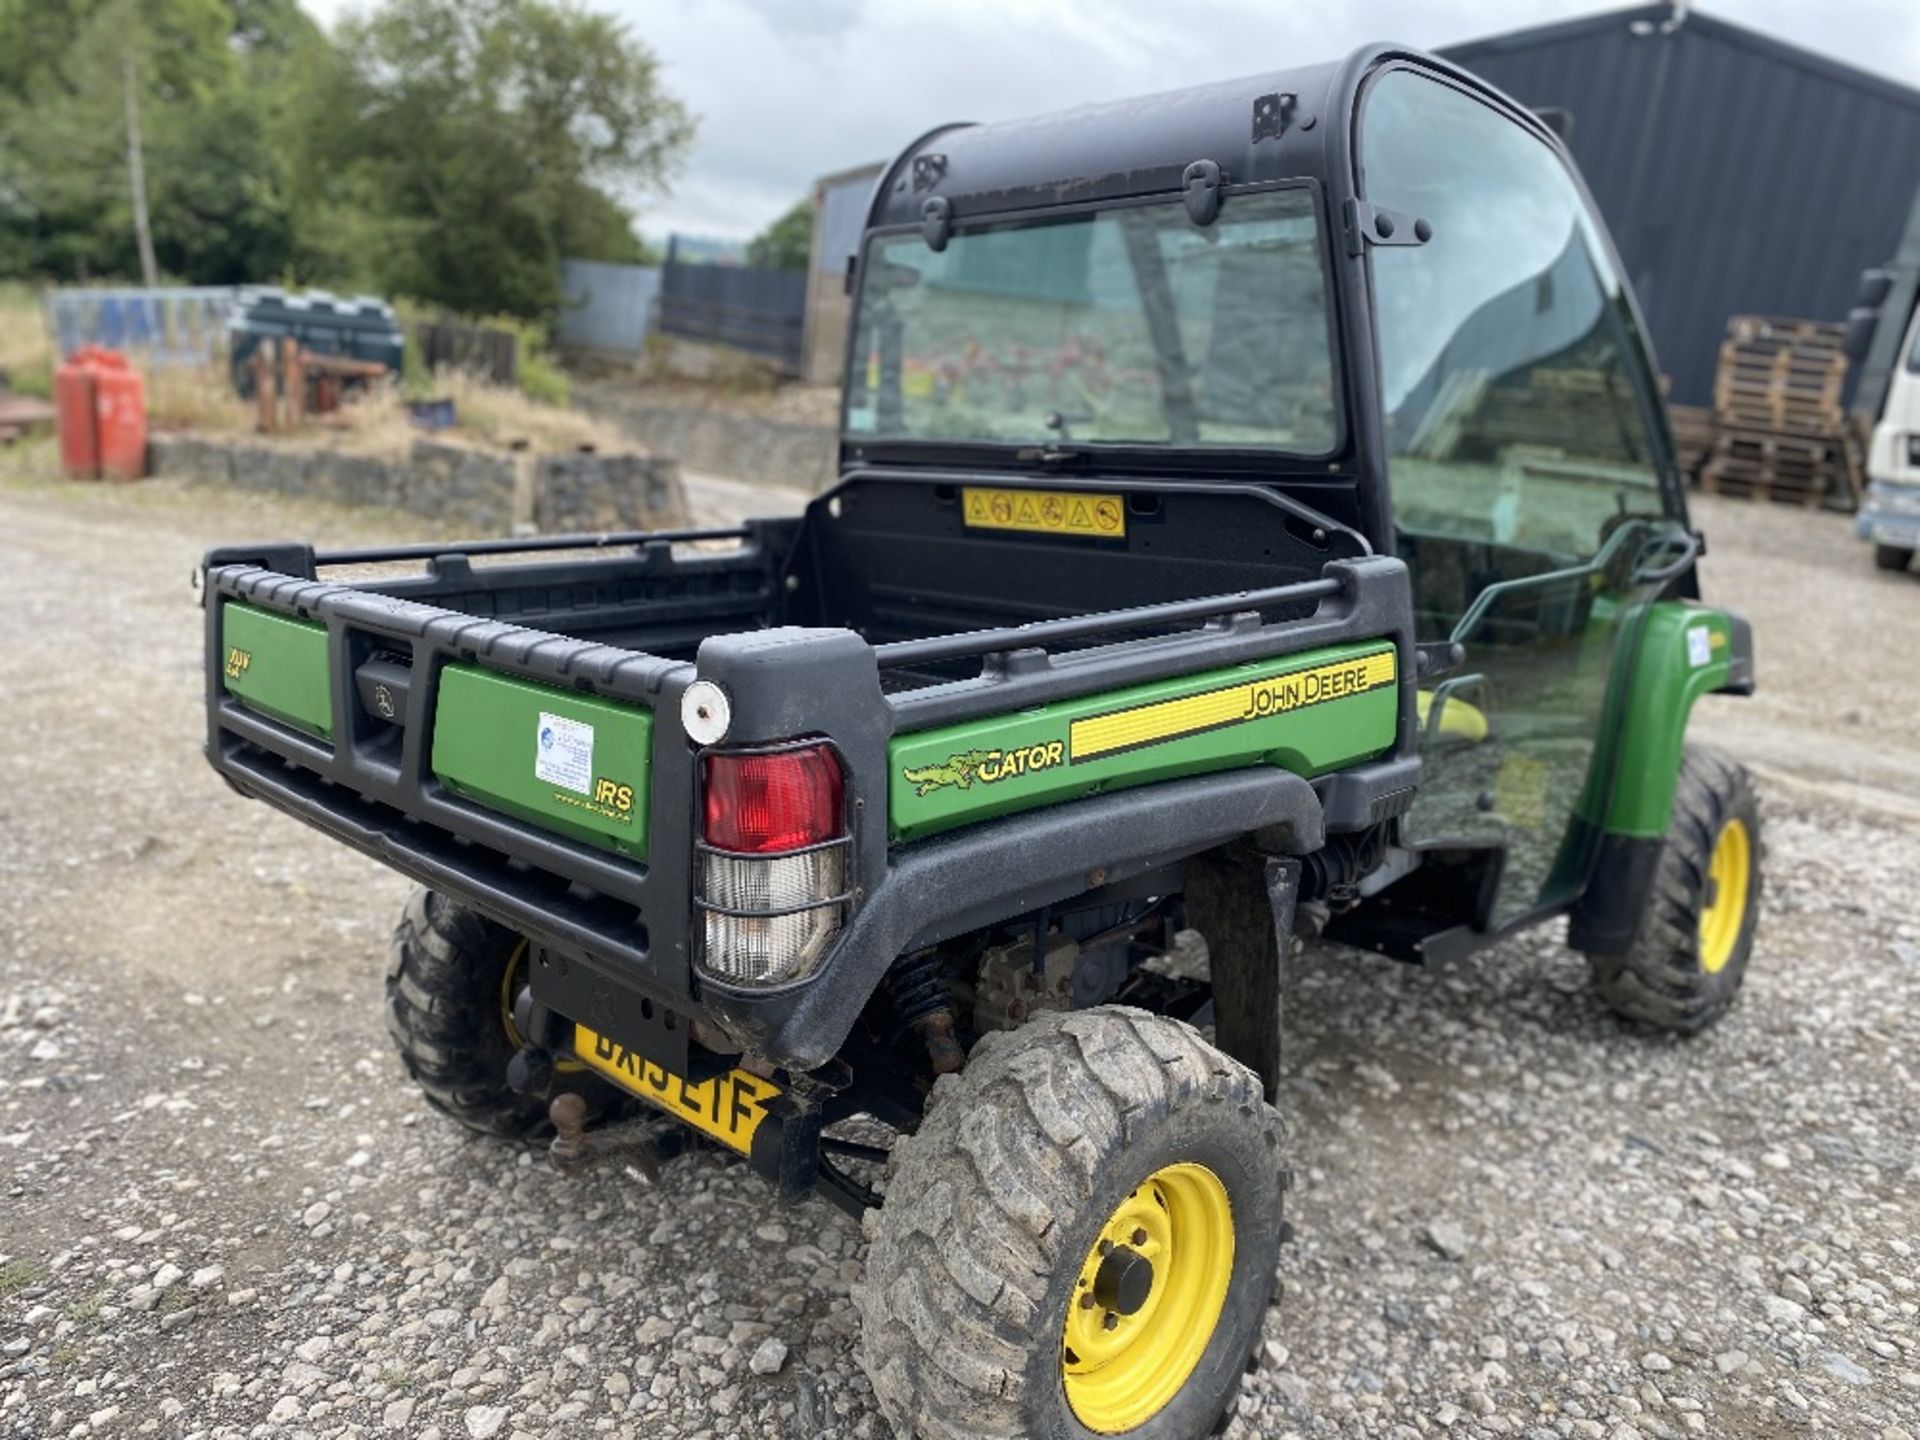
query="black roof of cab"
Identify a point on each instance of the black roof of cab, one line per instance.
(1112, 151)
(1282, 125)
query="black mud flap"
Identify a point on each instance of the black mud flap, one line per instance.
(1243, 902)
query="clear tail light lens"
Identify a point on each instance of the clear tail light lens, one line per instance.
(786, 939)
(775, 863)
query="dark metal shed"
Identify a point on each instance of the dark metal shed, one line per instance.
(1739, 174)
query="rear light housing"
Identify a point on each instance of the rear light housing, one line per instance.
(775, 861)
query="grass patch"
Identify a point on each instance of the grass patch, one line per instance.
(375, 422)
(538, 376)
(82, 1312)
(26, 354)
(18, 1275)
(193, 397)
(178, 1298)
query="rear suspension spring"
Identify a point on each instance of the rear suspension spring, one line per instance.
(921, 1004)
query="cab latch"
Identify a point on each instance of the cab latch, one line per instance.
(1201, 181)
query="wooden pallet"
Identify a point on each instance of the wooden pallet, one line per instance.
(1820, 334)
(1779, 428)
(1781, 418)
(1743, 480)
(1812, 385)
(1780, 365)
(1768, 445)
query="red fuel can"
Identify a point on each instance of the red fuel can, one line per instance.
(120, 413)
(73, 387)
(100, 407)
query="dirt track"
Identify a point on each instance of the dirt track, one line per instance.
(222, 1212)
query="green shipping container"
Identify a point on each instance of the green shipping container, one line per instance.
(570, 763)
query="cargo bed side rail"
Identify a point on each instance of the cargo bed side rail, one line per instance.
(1361, 599)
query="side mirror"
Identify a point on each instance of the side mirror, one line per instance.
(1861, 323)
(1872, 292)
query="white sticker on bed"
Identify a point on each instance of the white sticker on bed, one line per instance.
(1699, 646)
(563, 753)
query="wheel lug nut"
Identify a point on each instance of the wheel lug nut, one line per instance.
(1106, 1247)
(1140, 1237)
(1086, 1302)
(1112, 1322)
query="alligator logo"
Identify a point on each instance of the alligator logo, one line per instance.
(987, 766)
(958, 770)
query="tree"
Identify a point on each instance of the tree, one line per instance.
(200, 78)
(446, 150)
(456, 152)
(786, 244)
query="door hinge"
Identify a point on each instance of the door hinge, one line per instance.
(1376, 225)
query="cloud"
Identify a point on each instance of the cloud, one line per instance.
(814, 20)
(788, 90)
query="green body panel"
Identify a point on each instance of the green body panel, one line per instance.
(1309, 713)
(278, 666)
(494, 735)
(1686, 651)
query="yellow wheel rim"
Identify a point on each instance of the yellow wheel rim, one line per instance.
(511, 984)
(1725, 913)
(1148, 1298)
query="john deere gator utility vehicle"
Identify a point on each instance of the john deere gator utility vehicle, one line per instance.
(1256, 517)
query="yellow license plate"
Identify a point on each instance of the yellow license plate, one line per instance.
(728, 1107)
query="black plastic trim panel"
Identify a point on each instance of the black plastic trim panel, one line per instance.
(956, 883)
(1605, 920)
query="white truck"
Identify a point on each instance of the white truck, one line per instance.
(1890, 514)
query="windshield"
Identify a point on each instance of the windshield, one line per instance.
(1130, 326)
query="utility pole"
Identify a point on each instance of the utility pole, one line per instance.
(137, 173)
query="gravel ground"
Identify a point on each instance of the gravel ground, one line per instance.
(224, 1213)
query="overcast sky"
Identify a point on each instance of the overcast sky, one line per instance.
(786, 90)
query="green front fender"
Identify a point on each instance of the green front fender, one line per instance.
(1684, 651)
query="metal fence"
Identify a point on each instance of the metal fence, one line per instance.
(185, 325)
(760, 311)
(477, 349)
(608, 307)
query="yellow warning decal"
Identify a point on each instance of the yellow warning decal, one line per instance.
(1046, 512)
(1233, 705)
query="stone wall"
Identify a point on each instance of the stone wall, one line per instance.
(743, 447)
(480, 492)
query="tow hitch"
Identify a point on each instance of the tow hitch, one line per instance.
(646, 1142)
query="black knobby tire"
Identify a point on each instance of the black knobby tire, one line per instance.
(1661, 981)
(995, 1203)
(1892, 557)
(446, 975)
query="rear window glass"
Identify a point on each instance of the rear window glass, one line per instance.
(1130, 326)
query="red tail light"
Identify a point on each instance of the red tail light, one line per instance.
(769, 804)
